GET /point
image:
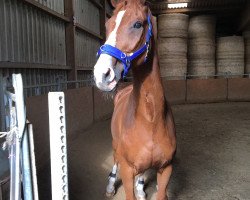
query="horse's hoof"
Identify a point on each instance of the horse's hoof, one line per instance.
(110, 194)
(140, 195)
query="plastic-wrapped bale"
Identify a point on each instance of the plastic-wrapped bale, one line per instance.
(201, 46)
(173, 57)
(202, 26)
(205, 68)
(172, 45)
(173, 25)
(173, 68)
(230, 56)
(201, 58)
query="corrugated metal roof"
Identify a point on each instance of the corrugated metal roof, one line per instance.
(214, 3)
(198, 4)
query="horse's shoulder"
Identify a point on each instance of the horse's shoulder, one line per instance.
(123, 92)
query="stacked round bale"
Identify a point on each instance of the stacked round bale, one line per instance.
(246, 35)
(230, 56)
(172, 45)
(201, 46)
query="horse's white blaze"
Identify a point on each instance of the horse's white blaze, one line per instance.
(112, 37)
(105, 63)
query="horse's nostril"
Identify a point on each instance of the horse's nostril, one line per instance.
(108, 76)
(107, 73)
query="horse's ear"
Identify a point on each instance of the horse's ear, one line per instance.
(115, 2)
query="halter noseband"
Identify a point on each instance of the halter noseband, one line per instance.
(123, 57)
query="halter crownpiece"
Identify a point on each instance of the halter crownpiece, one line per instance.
(123, 57)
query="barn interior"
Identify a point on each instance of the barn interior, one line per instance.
(231, 15)
(53, 45)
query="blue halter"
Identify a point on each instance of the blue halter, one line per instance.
(121, 56)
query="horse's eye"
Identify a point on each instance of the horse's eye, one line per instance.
(138, 25)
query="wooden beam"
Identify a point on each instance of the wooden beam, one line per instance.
(103, 20)
(47, 10)
(88, 31)
(20, 65)
(70, 40)
(82, 68)
(97, 4)
(196, 10)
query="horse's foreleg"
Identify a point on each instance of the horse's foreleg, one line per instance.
(139, 186)
(162, 181)
(110, 190)
(127, 176)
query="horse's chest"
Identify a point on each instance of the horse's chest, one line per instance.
(140, 156)
(145, 154)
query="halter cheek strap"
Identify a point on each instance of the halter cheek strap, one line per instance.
(122, 57)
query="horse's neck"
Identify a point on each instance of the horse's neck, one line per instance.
(148, 92)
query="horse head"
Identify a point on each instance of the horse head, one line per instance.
(128, 34)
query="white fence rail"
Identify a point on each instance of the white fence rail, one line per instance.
(19, 142)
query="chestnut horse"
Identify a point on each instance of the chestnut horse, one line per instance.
(142, 125)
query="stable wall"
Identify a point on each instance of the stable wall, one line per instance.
(83, 107)
(239, 89)
(175, 91)
(207, 90)
(86, 105)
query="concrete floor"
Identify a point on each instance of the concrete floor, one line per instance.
(212, 161)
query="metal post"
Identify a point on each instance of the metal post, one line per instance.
(58, 147)
(17, 140)
(20, 110)
(26, 168)
(2, 107)
(10, 125)
(33, 161)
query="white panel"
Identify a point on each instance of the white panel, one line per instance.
(58, 147)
